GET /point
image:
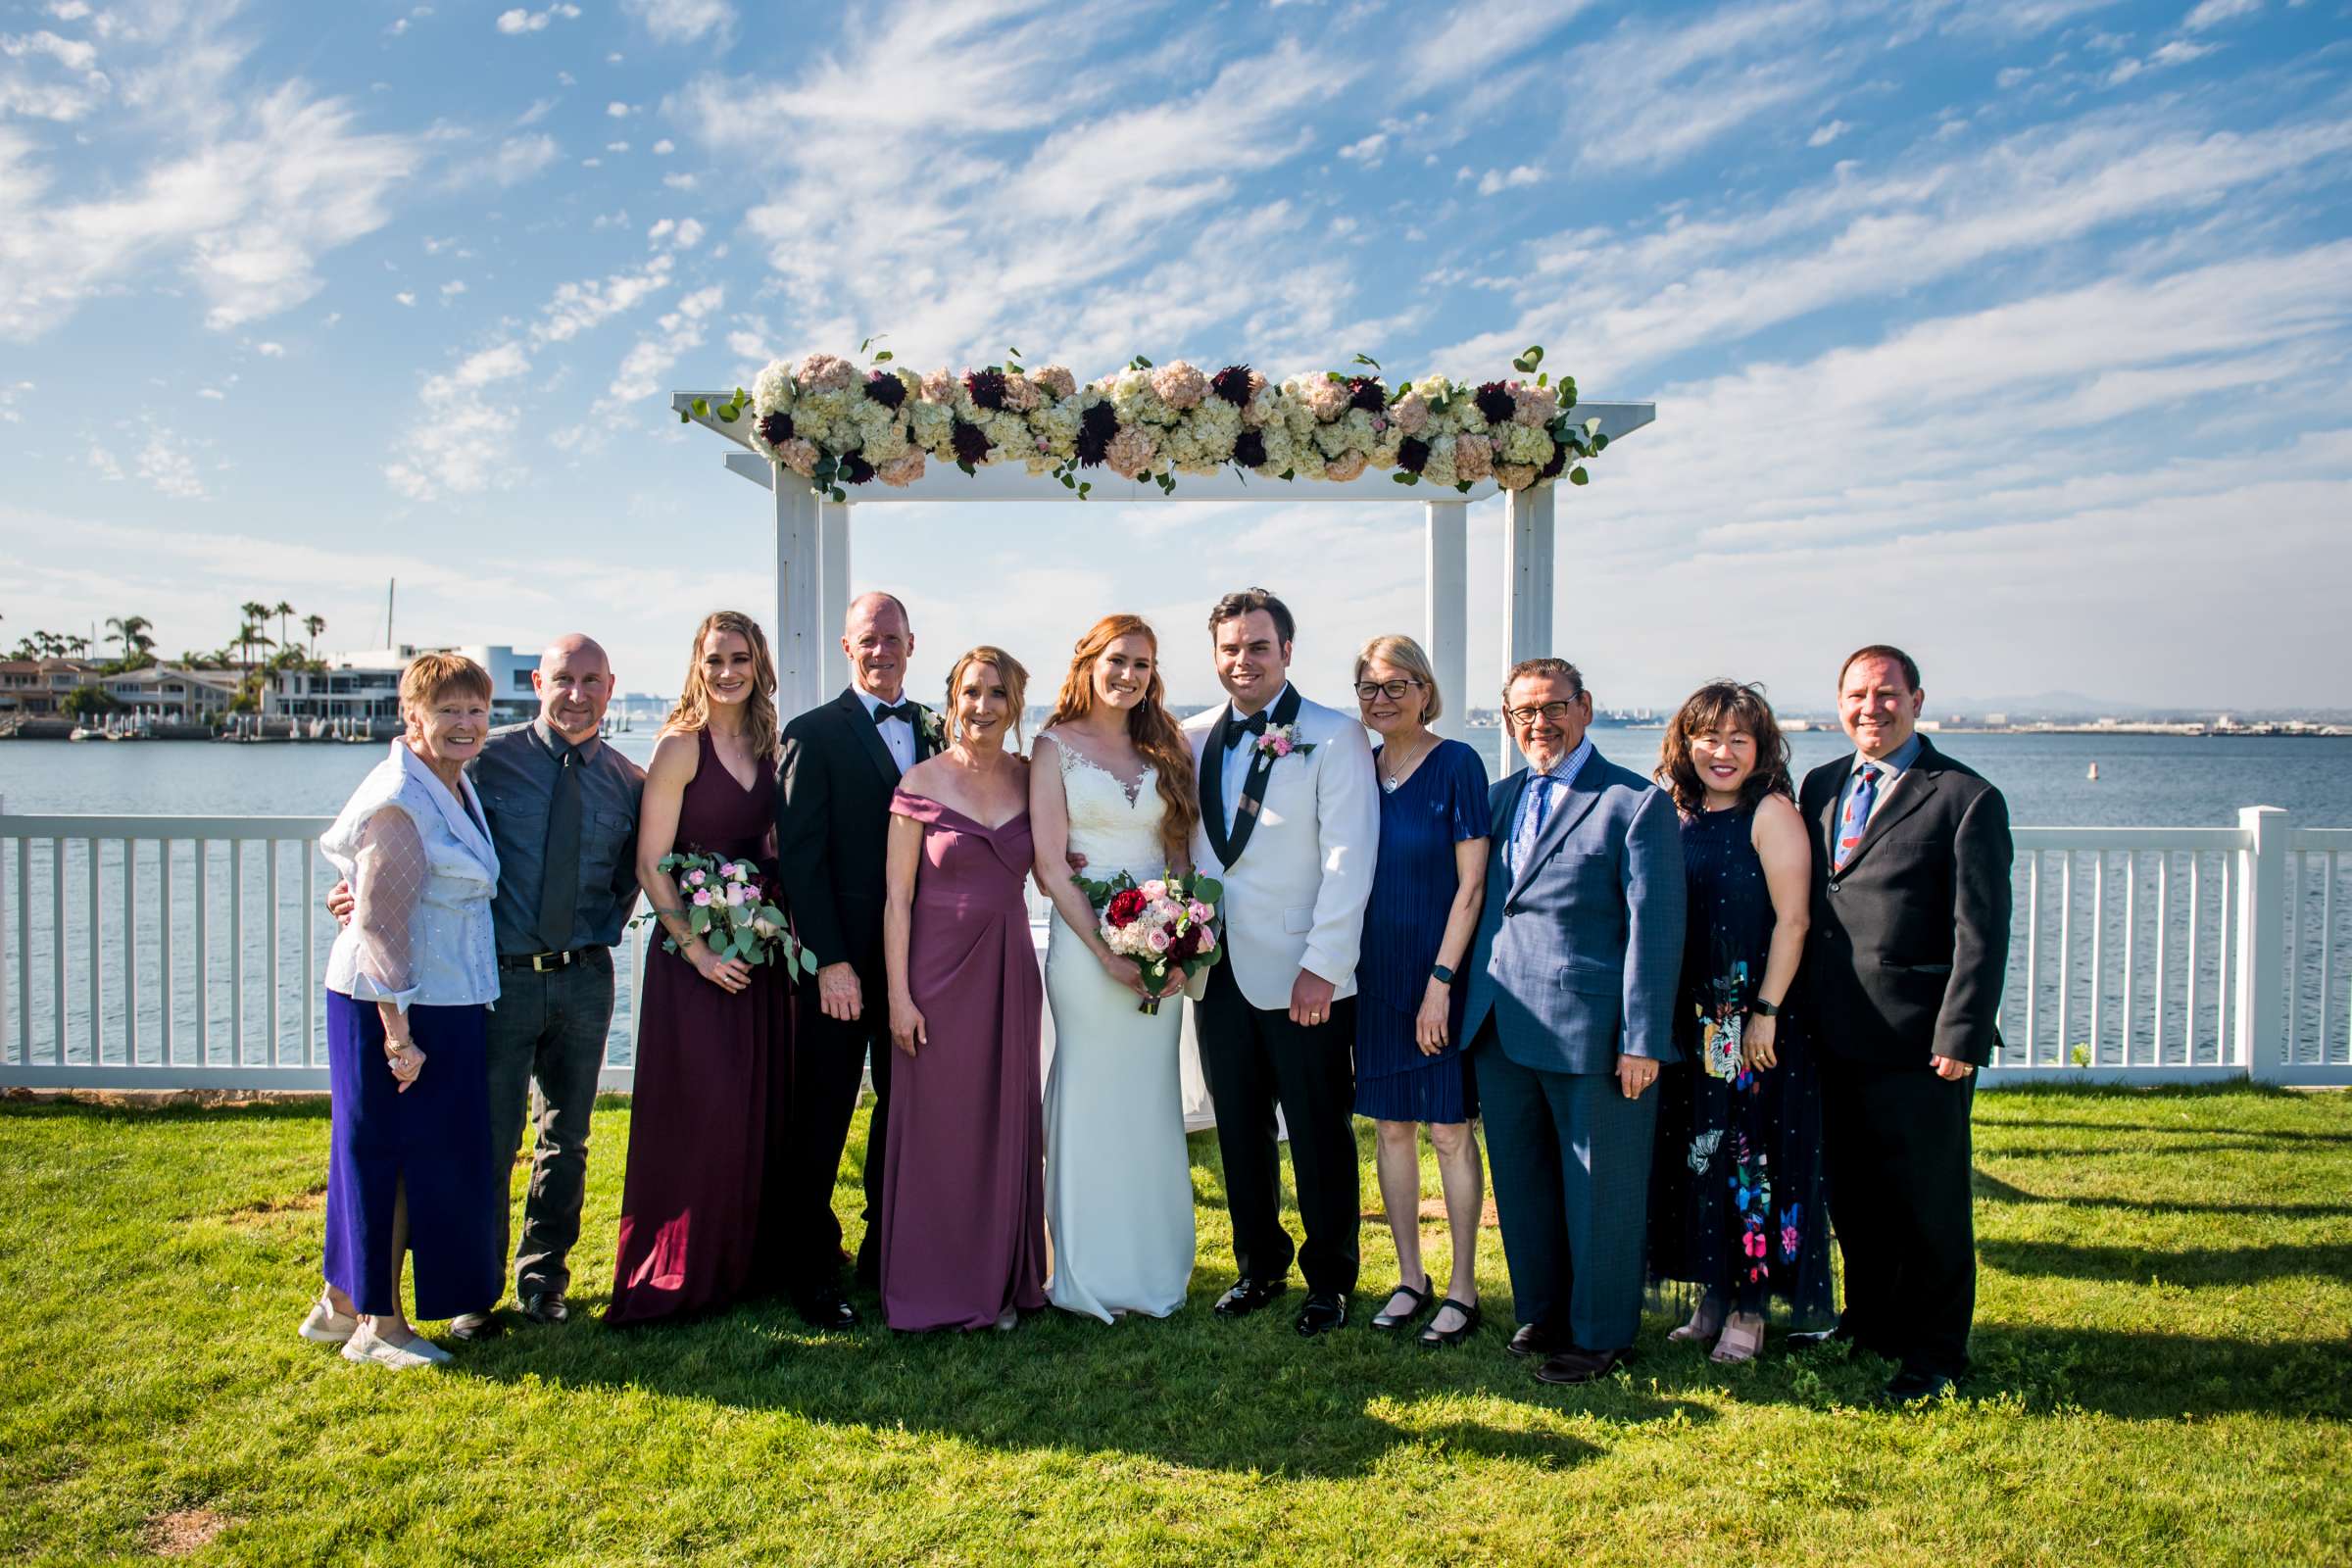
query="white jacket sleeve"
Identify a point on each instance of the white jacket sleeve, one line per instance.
(387, 884)
(1348, 825)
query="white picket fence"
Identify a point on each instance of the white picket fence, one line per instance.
(185, 953)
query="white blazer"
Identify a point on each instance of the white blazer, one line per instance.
(1296, 900)
(448, 955)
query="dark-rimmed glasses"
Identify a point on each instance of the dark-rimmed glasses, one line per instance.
(1551, 712)
(1393, 690)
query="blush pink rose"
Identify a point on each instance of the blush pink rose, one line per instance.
(1327, 399)
(1157, 941)
(703, 898)
(941, 387)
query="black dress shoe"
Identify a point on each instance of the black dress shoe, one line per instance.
(471, 1325)
(1386, 1321)
(1573, 1365)
(1324, 1312)
(545, 1306)
(1469, 1325)
(1917, 1388)
(1535, 1338)
(825, 1309)
(1247, 1296)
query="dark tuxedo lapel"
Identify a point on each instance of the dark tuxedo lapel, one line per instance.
(1254, 784)
(1575, 803)
(1506, 806)
(866, 736)
(1212, 787)
(1908, 794)
(1825, 823)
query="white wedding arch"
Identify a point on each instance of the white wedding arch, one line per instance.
(814, 537)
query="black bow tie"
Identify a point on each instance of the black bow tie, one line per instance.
(1235, 728)
(884, 713)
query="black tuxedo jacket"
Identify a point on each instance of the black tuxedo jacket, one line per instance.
(1910, 942)
(833, 789)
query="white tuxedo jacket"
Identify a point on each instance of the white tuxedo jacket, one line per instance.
(1294, 899)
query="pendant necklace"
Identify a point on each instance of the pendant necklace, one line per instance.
(1391, 783)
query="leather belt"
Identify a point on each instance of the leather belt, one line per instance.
(543, 962)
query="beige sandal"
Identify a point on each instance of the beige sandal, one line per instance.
(1704, 1323)
(1738, 1343)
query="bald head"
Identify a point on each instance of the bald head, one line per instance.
(574, 683)
(878, 640)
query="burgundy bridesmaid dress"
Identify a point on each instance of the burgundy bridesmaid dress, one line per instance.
(963, 1196)
(713, 1070)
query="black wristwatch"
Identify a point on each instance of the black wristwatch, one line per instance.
(1440, 974)
(1764, 1009)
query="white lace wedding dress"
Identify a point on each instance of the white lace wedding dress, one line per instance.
(1119, 1182)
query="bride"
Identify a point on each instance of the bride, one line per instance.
(1112, 783)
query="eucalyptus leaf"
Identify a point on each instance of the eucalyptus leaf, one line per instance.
(884, 357)
(1579, 476)
(701, 407)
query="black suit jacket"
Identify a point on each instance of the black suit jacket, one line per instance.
(1910, 942)
(833, 789)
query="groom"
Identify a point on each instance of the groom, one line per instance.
(841, 761)
(1290, 822)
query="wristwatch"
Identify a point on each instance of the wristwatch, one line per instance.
(1764, 1009)
(1440, 974)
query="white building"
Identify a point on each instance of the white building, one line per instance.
(364, 686)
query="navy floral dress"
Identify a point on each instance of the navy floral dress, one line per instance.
(1736, 1200)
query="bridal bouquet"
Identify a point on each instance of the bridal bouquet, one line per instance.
(1165, 925)
(733, 912)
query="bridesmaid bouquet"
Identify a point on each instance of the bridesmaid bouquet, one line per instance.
(1165, 925)
(727, 905)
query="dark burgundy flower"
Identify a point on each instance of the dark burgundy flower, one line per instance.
(1551, 469)
(886, 389)
(1232, 383)
(970, 442)
(1095, 426)
(987, 388)
(1125, 905)
(777, 429)
(1495, 402)
(1366, 393)
(854, 470)
(1185, 945)
(1249, 449)
(1412, 454)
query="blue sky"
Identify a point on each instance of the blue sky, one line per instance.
(2014, 330)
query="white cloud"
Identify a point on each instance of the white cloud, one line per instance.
(453, 288)
(67, 88)
(683, 20)
(616, 146)
(10, 393)
(162, 460)
(270, 351)
(514, 160)
(1476, 37)
(521, 21)
(2213, 13)
(404, 297)
(665, 147)
(617, 110)
(576, 308)
(649, 361)
(1822, 136)
(683, 236)
(1647, 97)
(1494, 180)
(1367, 150)
(103, 463)
(462, 429)
(680, 181)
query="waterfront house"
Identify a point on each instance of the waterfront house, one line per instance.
(362, 688)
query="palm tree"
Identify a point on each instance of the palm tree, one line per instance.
(281, 611)
(313, 624)
(132, 633)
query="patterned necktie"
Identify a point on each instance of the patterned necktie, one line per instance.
(1856, 816)
(560, 872)
(1531, 820)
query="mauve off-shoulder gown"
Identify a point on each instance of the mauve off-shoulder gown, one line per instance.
(964, 1197)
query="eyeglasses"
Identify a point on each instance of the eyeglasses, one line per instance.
(1393, 690)
(1549, 712)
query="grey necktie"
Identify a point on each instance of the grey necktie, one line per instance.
(560, 872)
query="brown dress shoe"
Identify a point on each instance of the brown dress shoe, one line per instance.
(1573, 1365)
(1535, 1340)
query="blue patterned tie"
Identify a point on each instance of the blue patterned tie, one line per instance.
(1531, 820)
(1856, 816)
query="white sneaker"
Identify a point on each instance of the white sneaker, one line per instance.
(326, 1326)
(364, 1346)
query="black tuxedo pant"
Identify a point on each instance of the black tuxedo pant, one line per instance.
(1895, 1152)
(829, 1059)
(1257, 1058)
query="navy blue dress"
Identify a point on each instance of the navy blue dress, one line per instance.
(1442, 803)
(1735, 1194)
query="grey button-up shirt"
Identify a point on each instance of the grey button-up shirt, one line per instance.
(515, 777)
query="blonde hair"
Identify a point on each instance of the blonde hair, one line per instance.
(1010, 670)
(1158, 739)
(1399, 652)
(693, 712)
(429, 678)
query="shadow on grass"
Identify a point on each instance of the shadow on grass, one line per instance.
(1190, 1389)
(2213, 1265)
(2206, 1136)
(1990, 1188)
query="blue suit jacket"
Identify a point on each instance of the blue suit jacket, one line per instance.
(1579, 957)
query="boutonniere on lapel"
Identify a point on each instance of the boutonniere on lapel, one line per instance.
(933, 723)
(1281, 741)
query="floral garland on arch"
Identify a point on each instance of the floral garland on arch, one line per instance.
(837, 426)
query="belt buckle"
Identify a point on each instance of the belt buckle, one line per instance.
(541, 964)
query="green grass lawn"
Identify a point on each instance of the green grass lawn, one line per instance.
(2164, 1374)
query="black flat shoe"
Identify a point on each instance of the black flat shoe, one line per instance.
(1323, 1312)
(829, 1310)
(1916, 1388)
(1386, 1320)
(1247, 1296)
(546, 1307)
(1472, 1321)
